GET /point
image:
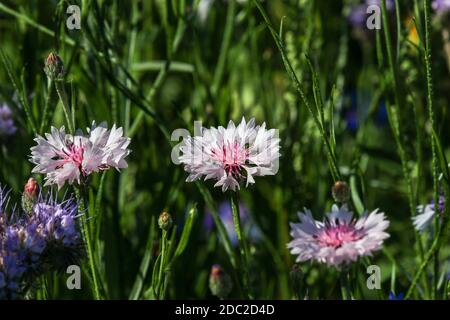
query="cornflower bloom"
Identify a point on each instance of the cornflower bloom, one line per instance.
(231, 155)
(72, 158)
(338, 239)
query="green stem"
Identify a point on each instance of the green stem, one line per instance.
(223, 235)
(145, 263)
(87, 236)
(427, 58)
(242, 243)
(395, 123)
(345, 286)
(392, 111)
(437, 242)
(60, 89)
(24, 18)
(45, 114)
(162, 263)
(228, 32)
(295, 79)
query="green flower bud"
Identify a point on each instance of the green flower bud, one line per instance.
(54, 67)
(165, 221)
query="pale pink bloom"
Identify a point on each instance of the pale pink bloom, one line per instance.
(339, 239)
(231, 155)
(65, 157)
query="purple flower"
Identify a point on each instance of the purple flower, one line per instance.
(358, 15)
(390, 4)
(226, 215)
(57, 221)
(441, 6)
(7, 126)
(57, 224)
(400, 296)
(351, 118)
(358, 110)
(31, 243)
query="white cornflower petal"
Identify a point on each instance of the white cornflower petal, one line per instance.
(426, 214)
(423, 220)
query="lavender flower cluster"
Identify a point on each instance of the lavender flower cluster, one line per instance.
(34, 242)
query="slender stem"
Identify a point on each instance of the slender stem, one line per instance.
(45, 113)
(162, 263)
(66, 108)
(393, 112)
(228, 32)
(242, 243)
(395, 123)
(437, 242)
(427, 57)
(87, 236)
(295, 79)
(447, 291)
(345, 285)
(223, 235)
(24, 18)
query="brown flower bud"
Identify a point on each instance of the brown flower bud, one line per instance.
(340, 191)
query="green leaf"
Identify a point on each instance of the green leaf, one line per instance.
(145, 263)
(191, 218)
(355, 195)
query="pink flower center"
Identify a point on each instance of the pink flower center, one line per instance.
(75, 154)
(231, 157)
(336, 236)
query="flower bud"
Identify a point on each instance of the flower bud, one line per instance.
(29, 195)
(54, 67)
(340, 192)
(219, 282)
(165, 221)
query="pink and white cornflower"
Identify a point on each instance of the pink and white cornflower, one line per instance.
(339, 239)
(72, 158)
(231, 155)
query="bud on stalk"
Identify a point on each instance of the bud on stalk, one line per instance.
(54, 67)
(165, 221)
(340, 192)
(29, 195)
(219, 282)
